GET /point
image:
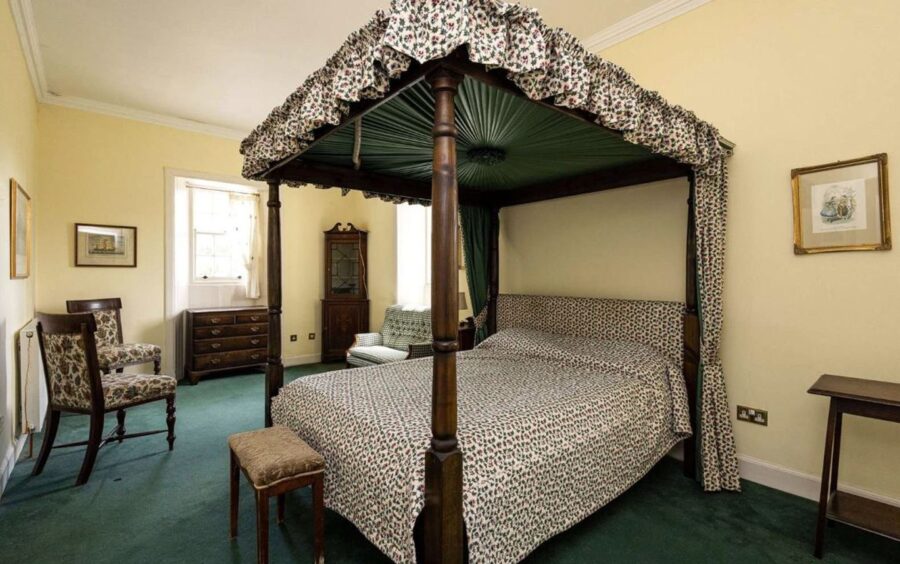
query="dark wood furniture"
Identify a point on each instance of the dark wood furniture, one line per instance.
(276, 461)
(222, 339)
(115, 305)
(865, 398)
(466, 334)
(81, 390)
(345, 308)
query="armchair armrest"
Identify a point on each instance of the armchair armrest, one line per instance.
(366, 340)
(420, 350)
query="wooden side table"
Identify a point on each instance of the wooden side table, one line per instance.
(865, 398)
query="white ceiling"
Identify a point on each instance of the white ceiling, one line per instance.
(222, 65)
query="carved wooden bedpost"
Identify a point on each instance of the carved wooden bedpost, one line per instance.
(493, 271)
(691, 336)
(443, 522)
(274, 367)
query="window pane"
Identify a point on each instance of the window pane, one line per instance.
(204, 244)
(203, 267)
(223, 245)
(222, 268)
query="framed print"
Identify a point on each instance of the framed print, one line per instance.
(19, 231)
(842, 206)
(105, 245)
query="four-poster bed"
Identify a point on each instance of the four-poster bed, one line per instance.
(478, 104)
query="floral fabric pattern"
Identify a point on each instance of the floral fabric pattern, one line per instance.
(546, 64)
(121, 390)
(107, 334)
(552, 427)
(70, 382)
(119, 356)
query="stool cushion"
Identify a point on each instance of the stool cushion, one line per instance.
(274, 454)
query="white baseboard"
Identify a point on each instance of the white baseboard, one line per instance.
(795, 482)
(302, 359)
(787, 480)
(9, 460)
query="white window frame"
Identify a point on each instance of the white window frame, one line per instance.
(193, 184)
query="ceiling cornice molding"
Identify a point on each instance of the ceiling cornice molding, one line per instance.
(88, 105)
(648, 18)
(23, 16)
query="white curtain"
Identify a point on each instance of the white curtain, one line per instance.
(413, 255)
(247, 206)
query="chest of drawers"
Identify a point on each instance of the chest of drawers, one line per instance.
(221, 339)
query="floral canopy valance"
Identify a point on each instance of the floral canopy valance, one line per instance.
(547, 65)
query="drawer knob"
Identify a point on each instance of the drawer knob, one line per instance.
(215, 320)
(254, 318)
(216, 331)
(254, 357)
(216, 345)
(216, 361)
(254, 341)
(254, 329)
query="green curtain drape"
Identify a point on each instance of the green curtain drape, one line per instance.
(476, 235)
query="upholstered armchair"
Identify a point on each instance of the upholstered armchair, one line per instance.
(75, 384)
(112, 353)
(406, 334)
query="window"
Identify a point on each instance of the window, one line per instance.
(222, 228)
(413, 255)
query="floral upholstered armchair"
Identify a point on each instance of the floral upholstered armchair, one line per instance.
(406, 334)
(112, 354)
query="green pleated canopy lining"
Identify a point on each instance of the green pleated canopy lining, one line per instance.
(537, 144)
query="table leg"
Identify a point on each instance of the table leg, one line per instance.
(836, 455)
(826, 482)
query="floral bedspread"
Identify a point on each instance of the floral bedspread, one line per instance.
(551, 428)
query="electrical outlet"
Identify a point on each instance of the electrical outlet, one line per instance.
(312, 336)
(293, 338)
(753, 415)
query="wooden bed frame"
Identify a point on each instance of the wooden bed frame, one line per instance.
(443, 521)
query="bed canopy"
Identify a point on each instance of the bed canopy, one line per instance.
(470, 106)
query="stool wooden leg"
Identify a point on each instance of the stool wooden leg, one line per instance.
(281, 508)
(262, 527)
(319, 518)
(235, 479)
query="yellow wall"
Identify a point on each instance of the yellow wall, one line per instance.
(18, 133)
(793, 83)
(101, 169)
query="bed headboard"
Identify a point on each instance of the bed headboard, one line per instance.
(654, 323)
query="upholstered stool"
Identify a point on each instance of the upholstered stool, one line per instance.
(276, 461)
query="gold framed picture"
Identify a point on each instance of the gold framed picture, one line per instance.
(19, 231)
(105, 245)
(842, 206)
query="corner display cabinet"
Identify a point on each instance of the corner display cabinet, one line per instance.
(345, 309)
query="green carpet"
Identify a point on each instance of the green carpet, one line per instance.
(145, 504)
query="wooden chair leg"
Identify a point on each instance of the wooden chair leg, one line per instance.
(281, 508)
(319, 519)
(90, 455)
(235, 479)
(120, 428)
(170, 420)
(51, 425)
(156, 366)
(262, 527)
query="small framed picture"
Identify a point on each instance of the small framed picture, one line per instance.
(19, 231)
(105, 245)
(842, 206)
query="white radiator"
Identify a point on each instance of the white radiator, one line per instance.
(30, 380)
